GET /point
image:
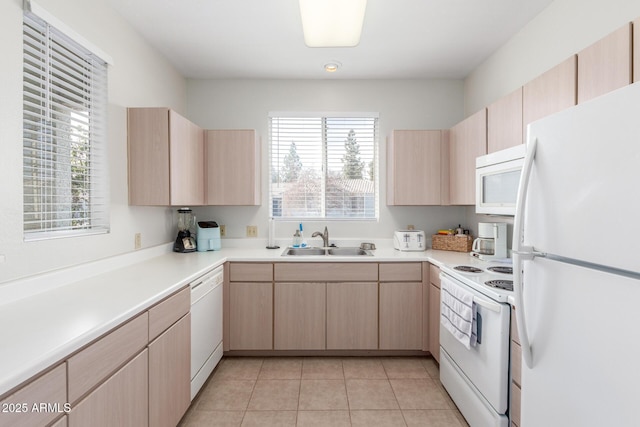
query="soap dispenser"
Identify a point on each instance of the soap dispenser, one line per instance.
(297, 239)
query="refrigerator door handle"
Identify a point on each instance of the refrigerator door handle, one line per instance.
(521, 252)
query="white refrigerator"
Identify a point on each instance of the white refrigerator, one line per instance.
(577, 265)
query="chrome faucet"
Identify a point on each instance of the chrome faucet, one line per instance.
(325, 237)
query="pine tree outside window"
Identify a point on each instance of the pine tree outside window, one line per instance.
(324, 166)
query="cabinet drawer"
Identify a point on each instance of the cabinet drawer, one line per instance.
(250, 272)
(96, 362)
(401, 272)
(50, 388)
(516, 362)
(167, 312)
(325, 272)
(434, 275)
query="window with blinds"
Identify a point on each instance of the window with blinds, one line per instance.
(64, 148)
(324, 167)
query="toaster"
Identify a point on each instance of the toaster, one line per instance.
(409, 240)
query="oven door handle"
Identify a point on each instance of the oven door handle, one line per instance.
(490, 305)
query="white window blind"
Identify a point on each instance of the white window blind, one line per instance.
(65, 174)
(324, 167)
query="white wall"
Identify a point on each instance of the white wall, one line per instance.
(402, 104)
(561, 30)
(138, 77)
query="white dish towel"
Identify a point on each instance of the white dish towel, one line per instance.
(458, 313)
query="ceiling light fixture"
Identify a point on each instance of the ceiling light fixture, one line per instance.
(332, 23)
(331, 67)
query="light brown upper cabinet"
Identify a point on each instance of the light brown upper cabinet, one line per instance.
(233, 167)
(415, 172)
(550, 92)
(166, 158)
(605, 65)
(636, 49)
(467, 140)
(504, 122)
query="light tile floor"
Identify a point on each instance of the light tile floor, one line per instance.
(319, 391)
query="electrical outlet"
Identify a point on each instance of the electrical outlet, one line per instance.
(223, 230)
(411, 227)
(252, 231)
(137, 241)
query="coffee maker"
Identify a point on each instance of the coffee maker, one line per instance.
(491, 242)
(186, 240)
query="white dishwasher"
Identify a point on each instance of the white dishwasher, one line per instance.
(206, 326)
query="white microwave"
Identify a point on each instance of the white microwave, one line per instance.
(497, 179)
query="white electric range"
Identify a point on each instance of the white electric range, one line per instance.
(477, 376)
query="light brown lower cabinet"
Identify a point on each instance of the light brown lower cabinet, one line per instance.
(170, 374)
(121, 379)
(401, 316)
(434, 312)
(251, 316)
(122, 400)
(352, 316)
(327, 306)
(299, 317)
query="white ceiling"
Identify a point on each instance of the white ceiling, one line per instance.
(401, 39)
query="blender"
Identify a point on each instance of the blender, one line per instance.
(186, 240)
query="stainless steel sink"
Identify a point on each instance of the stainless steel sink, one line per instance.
(304, 251)
(347, 251)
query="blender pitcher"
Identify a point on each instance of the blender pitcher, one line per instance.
(186, 239)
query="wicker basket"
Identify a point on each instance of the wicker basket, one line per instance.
(452, 243)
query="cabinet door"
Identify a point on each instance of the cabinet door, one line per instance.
(251, 316)
(148, 156)
(434, 321)
(552, 91)
(605, 65)
(352, 316)
(467, 140)
(401, 316)
(414, 167)
(186, 161)
(170, 374)
(504, 122)
(232, 167)
(165, 158)
(299, 319)
(122, 400)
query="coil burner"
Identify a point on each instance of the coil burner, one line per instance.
(467, 269)
(506, 285)
(503, 270)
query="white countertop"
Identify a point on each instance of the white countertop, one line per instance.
(42, 328)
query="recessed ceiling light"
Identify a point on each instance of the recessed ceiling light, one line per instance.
(332, 23)
(332, 67)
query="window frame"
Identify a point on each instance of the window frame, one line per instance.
(64, 132)
(323, 117)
